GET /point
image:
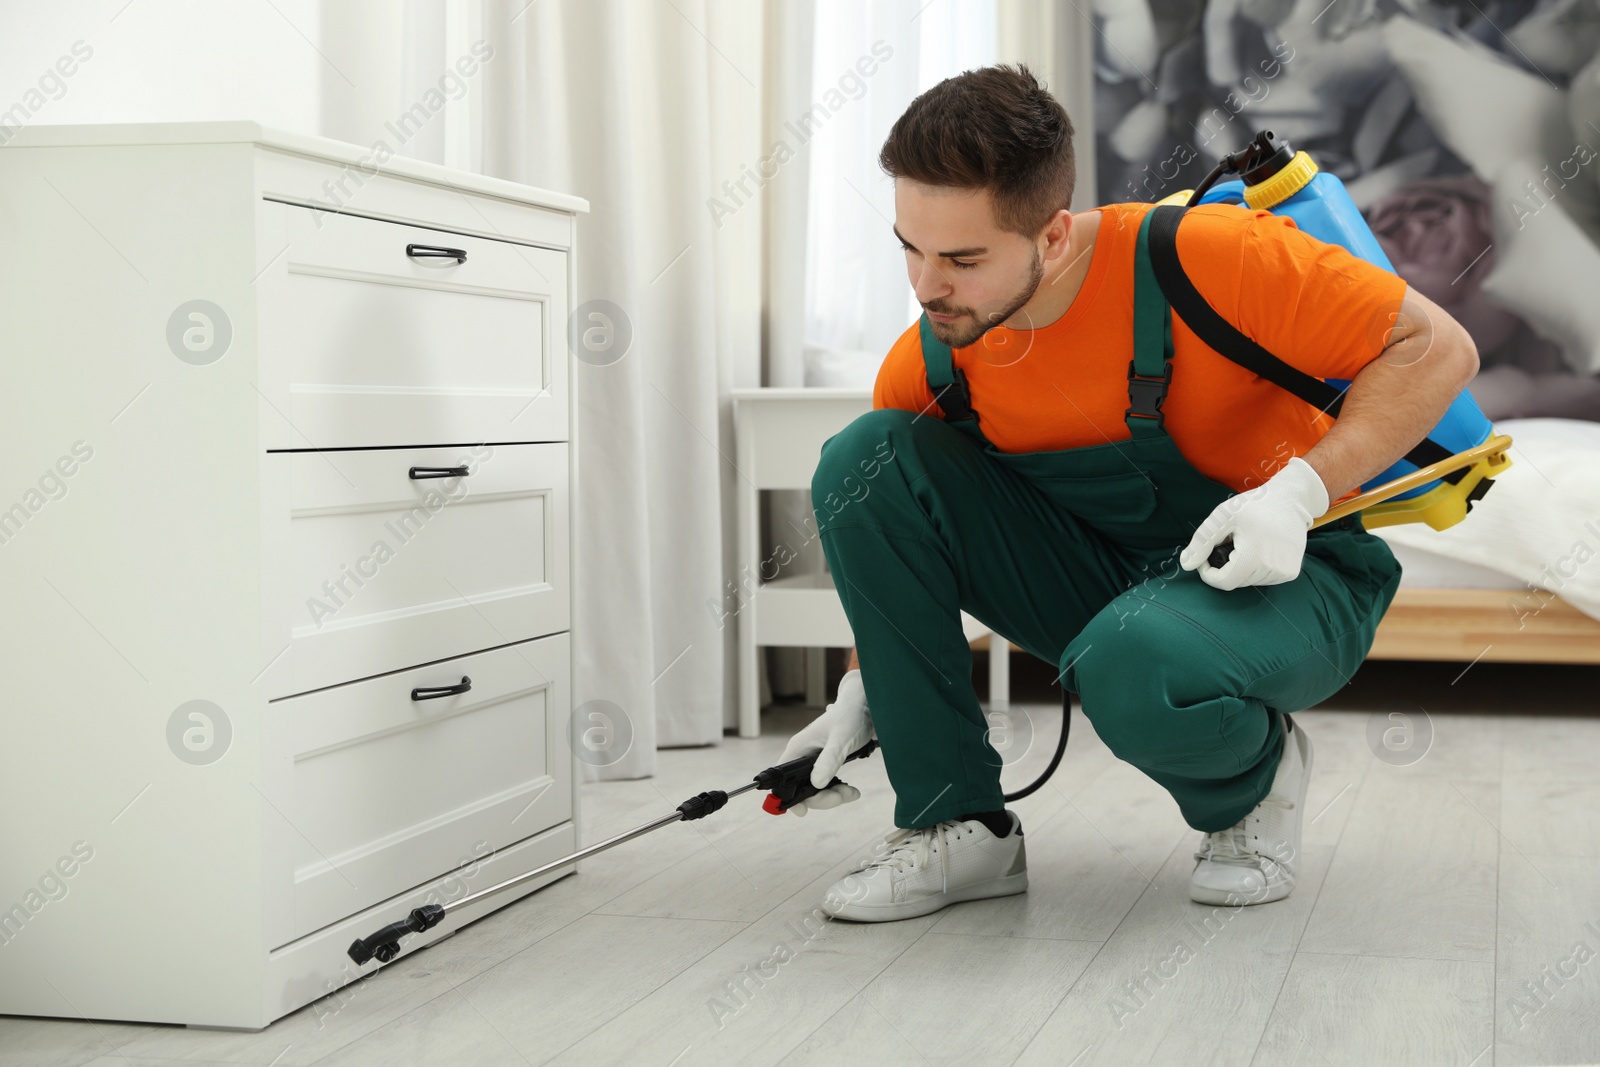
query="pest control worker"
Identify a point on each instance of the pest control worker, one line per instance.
(1084, 456)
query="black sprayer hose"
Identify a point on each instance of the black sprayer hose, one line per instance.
(1055, 760)
(1209, 180)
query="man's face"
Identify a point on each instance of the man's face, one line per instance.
(968, 274)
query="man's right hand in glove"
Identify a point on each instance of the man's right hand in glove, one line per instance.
(844, 726)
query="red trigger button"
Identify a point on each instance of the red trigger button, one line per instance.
(772, 804)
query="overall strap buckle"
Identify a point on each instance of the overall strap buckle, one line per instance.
(955, 399)
(1146, 395)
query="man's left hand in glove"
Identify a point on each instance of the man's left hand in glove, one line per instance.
(1268, 525)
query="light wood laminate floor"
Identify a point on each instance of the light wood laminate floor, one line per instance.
(1435, 895)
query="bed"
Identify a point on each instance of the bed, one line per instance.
(1518, 581)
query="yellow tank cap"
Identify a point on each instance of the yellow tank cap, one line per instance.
(1295, 176)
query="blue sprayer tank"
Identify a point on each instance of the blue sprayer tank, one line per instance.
(1288, 183)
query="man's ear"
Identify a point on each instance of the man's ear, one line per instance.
(1056, 237)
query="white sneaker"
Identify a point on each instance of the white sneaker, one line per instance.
(923, 870)
(1255, 860)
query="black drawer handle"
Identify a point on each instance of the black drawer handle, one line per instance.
(436, 252)
(439, 472)
(434, 692)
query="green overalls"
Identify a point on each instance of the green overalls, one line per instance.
(1072, 554)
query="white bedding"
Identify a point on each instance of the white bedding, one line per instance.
(1539, 526)
(1424, 570)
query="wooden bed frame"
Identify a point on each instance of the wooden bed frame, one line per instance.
(1473, 625)
(1492, 625)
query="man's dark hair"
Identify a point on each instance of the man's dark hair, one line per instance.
(993, 128)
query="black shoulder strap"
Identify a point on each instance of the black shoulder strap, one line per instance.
(1227, 340)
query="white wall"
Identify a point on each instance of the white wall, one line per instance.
(161, 61)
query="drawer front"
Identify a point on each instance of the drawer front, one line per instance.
(363, 344)
(384, 571)
(374, 792)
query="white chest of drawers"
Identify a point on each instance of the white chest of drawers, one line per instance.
(285, 559)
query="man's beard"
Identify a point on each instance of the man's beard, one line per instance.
(961, 333)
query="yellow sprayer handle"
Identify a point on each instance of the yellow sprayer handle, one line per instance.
(1492, 448)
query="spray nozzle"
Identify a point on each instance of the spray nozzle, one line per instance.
(1261, 159)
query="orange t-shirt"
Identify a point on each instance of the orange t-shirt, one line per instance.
(1314, 305)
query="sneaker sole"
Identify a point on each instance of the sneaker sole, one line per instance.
(910, 909)
(1201, 895)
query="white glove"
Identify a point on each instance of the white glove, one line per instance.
(844, 726)
(1268, 525)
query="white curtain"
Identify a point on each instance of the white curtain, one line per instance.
(857, 295)
(855, 272)
(645, 109)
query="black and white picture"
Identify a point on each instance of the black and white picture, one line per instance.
(1468, 134)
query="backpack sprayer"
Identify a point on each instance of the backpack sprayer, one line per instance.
(1435, 483)
(1438, 481)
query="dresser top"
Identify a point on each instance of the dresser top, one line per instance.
(325, 148)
